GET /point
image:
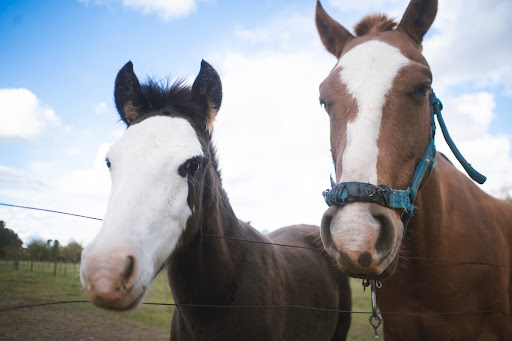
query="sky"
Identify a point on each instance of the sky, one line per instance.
(59, 59)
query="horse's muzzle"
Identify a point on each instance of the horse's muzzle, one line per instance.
(110, 280)
(363, 238)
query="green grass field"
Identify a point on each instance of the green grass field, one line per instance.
(41, 286)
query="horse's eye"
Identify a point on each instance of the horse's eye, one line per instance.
(193, 166)
(108, 163)
(422, 90)
(323, 103)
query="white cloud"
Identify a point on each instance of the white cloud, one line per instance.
(72, 151)
(272, 138)
(167, 9)
(471, 44)
(468, 118)
(11, 178)
(393, 7)
(23, 115)
(271, 133)
(92, 182)
(52, 186)
(286, 33)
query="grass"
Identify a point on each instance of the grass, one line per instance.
(25, 286)
(41, 286)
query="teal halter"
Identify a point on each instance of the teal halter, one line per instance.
(349, 192)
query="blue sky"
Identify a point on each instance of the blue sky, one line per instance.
(59, 59)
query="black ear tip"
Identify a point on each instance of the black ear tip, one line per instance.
(128, 67)
(207, 69)
(205, 64)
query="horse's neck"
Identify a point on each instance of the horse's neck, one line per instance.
(448, 202)
(217, 216)
(204, 267)
(432, 205)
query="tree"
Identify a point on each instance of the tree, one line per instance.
(54, 250)
(72, 252)
(10, 243)
(37, 249)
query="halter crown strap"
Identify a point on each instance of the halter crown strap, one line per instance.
(437, 106)
(349, 192)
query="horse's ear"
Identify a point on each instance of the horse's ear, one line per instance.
(130, 100)
(207, 91)
(418, 18)
(334, 36)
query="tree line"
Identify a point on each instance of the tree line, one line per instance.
(11, 247)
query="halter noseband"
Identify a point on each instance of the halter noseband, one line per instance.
(349, 192)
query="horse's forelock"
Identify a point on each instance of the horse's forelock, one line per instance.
(374, 23)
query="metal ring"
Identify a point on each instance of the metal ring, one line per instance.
(379, 321)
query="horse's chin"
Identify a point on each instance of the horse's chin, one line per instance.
(120, 303)
(390, 270)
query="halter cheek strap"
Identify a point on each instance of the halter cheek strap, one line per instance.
(349, 192)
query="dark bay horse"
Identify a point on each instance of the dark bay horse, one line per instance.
(167, 202)
(379, 100)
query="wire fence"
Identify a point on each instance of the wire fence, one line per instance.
(44, 266)
(59, 268)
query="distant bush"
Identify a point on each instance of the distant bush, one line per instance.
(51, 250)
(11, 247)
(10, 243)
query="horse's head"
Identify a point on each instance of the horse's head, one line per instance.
(156, 168)
(377, 97)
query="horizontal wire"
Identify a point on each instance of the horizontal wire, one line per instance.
(262, 242)
(273, 306)
(39, 305)
(283, 245)
(459, 262)
(331, 310)
(282, 306)
(51, 211)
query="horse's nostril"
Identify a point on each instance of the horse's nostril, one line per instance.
(365, 259)
(128, 269)
(325, 230)
(387, 232)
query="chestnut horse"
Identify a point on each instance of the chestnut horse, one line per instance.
(381, 109)
(167, 209)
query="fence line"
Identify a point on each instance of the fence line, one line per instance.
(42, 266)
(433, 259)
(51, 211)
(282, 306)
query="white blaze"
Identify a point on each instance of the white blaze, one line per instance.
(147, 209)
(368, 71)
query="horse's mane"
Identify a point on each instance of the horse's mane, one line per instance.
(374, 23)
(167, 94)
